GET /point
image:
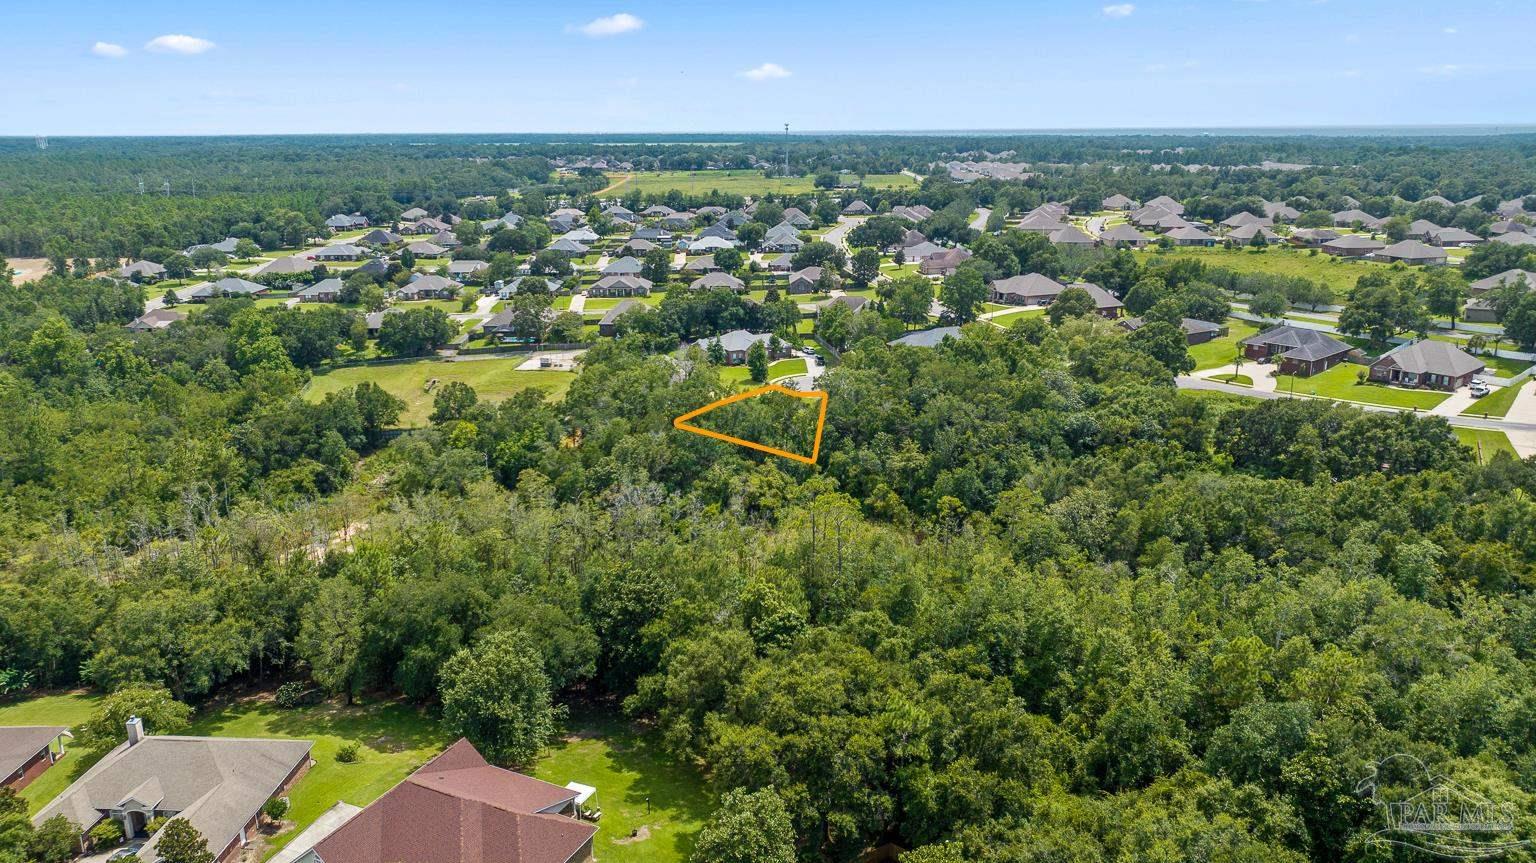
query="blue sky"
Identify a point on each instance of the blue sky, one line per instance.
(482, 66)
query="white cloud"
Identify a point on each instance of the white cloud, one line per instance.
(766, 72)
(1450, 31)
(1119, 10)
(610, 25)
(109, 49)
(1444, 70)
(177, 43)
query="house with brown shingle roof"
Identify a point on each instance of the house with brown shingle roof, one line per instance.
(458, 808)
(1431, 364)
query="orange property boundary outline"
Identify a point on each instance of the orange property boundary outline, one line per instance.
(681, 423)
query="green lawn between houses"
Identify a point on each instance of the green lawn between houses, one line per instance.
(1342, 382)
(1220, 352)
(492, 379)
(1496, 403)
(1485, 442)
(1011, 318)
(741, 375)
(637, 785)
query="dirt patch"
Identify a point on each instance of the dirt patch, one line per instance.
(583, 734)
(642, 833)
(28, 269)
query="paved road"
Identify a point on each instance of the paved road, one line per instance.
(1095, 225)
(838, 235)
(980, 222)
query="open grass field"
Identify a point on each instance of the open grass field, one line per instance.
(1219, 352)
(1342, 382)
(1338, 274)
(639, 789)
(1009, 319)
(1496, 403)
(1485, 442)
(745, 182)
(493, 379)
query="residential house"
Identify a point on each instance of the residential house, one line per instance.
(1438, 199)
(1427, 363)
(1313, 237)
(734, 219)
(1245, 235)
(720, 230)
(375, 320)
(28, 750)
(678, 221)
(1350, 218)
(1167, 203)
(1412, 252)
(342, 222)
(805, 281)
(467, 270)
(413, 214)
(1449, 237)
(428, 287)
(1480, 308)
(1148, 217)
(1042, 223)
(225, 246)
(707, 245)
(226, 287)
(782, 238)
(373, 267)
(608, 325)
(427, 226)
(911, 238)
(1071, 236)
(915, 213)
(1297, 350)
(637, 247)
(1196, 332)
(1117, 202)
(795, 216)
(342, 252)
(657, 211)
(561, 225)
(1245, 218)
(779, 263)
(585, 236)
(854, 303)
(1504, 226)
(569, 248)
(718, 279)
(736, 343)
(1353, 246)
(380, 237)
(424, 249)
(1422, 229)
(625, 266)
(620, 213)
(858, 208)
(1031, 289)
(447, 239)
(920, 251)
(1124, 236)
(711, 211)
(142, 271)
(703, 264)
(1104, 303)
(620, 286)
(290, 266)
(1515, 238)
(653, 235)
(1281, 212)
(156, 319)
(217, 784)
(943, 263)
(1190, 236)
(324, 291)
(458, 808)
(1171, 222)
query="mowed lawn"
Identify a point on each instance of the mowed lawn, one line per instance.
(1342, 382)
(492, 379)
(1338, 274)
(68, 710)
(652, 806)
(744, 182)
(782, 368)
(1223, 351)
(1007, 320)
(1485, 442)
(1496, 403)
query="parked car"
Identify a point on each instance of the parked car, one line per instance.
(1479, 389)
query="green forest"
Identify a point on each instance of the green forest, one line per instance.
(1032, 603)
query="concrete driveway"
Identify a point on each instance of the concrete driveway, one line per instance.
(329, 822)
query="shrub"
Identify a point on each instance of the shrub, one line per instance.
(294, 694)
(106, 834)
(348, 753)
(276, 808)
(154, 824)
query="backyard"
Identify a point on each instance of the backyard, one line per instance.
(1222, 351)
(640, 790)
(493, 379)
(1342, 382)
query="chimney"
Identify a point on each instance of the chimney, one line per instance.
(135, 730)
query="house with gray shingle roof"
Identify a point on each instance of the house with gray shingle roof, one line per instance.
(927, 338)
(217, 784)
(324, 291)
(1117, 202)
(1281, 212)
(718, 279)
(736, 343)
(625, 266)
(1299, 351)
(1448, 237)
(1072, 236)
(857, 208)
(1190, 235)
(1427, 363)
(1166, 203)
(1124, 236)
(26, 751)
(1031, 289)
(1349, 218)
(1412, 252)
(620, 286)
(142, 271)
(1353, 246)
